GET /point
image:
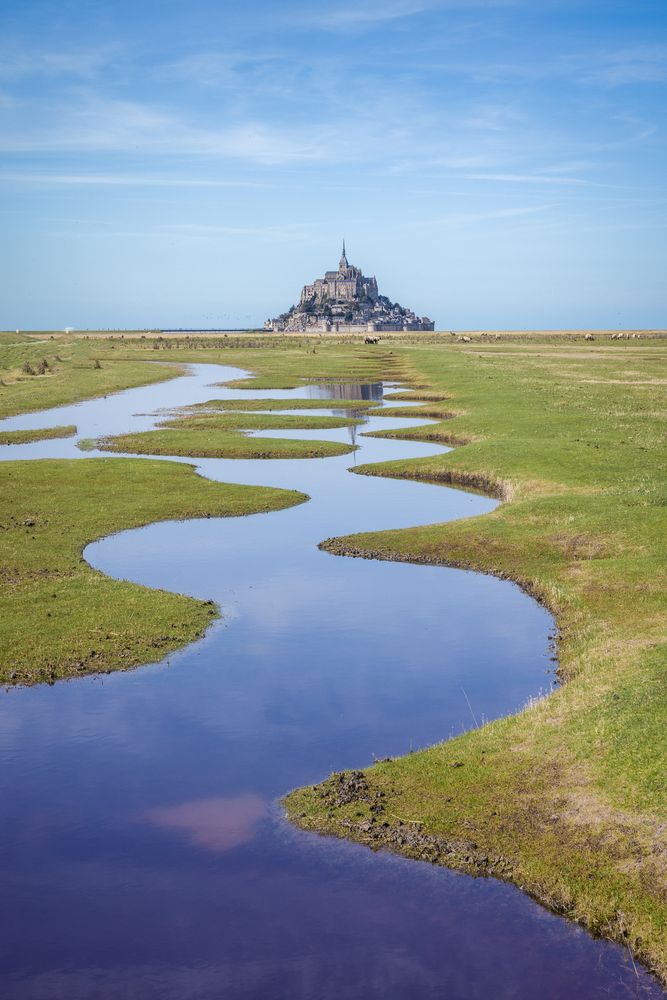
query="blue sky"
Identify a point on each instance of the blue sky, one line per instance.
(496, 163)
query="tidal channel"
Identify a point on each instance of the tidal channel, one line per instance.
(144, 853)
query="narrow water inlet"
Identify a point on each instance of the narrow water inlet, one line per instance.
(142, 850)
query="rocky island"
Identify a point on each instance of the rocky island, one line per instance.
(345, 301)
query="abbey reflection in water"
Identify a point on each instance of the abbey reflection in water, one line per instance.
(350, 390)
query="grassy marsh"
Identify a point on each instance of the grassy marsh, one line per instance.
(220, 435)
(65, 371)
(38, 434)
(59, 617)
(272, 405)
(568, 798)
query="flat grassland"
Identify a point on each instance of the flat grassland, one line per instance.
(38, 373)
(567, 798)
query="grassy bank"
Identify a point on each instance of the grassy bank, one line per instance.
(568, 798)
(273, 405)
(220, 435)
(60, 618)
(36, 375)
(38, 434)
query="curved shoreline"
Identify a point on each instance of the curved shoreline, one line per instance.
(423, 845)
(401, 836)
(345, 796)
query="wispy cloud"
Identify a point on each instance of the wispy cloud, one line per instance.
(362, 15)
(384, 131)
(464, 219)
(492, 118)
(127, 180)
(296, 231)
(97, 124)
(178, 232)
(17, 62)
(241, 71)
(599, 66)
(526, 178)
(622, 67)
(369, 13)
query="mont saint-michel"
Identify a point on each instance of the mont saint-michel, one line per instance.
(346, 301)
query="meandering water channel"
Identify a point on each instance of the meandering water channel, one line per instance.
(143, 853)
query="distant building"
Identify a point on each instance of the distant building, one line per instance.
(345, 301)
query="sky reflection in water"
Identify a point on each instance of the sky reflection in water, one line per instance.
(143, 851)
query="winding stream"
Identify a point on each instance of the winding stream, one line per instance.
(143, 853)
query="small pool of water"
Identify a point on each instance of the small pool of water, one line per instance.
(144, 853)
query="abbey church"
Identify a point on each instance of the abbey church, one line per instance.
(345, 301)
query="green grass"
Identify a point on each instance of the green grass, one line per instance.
(277, 364)
(60, 618)
(71, 374)
(38, 434)
(568, 798)
(11, 337)
(237, 421)
(271, 405)
(218, 435)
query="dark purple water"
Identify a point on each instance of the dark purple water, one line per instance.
(143, 852)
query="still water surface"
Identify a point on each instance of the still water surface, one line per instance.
(143, 851)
